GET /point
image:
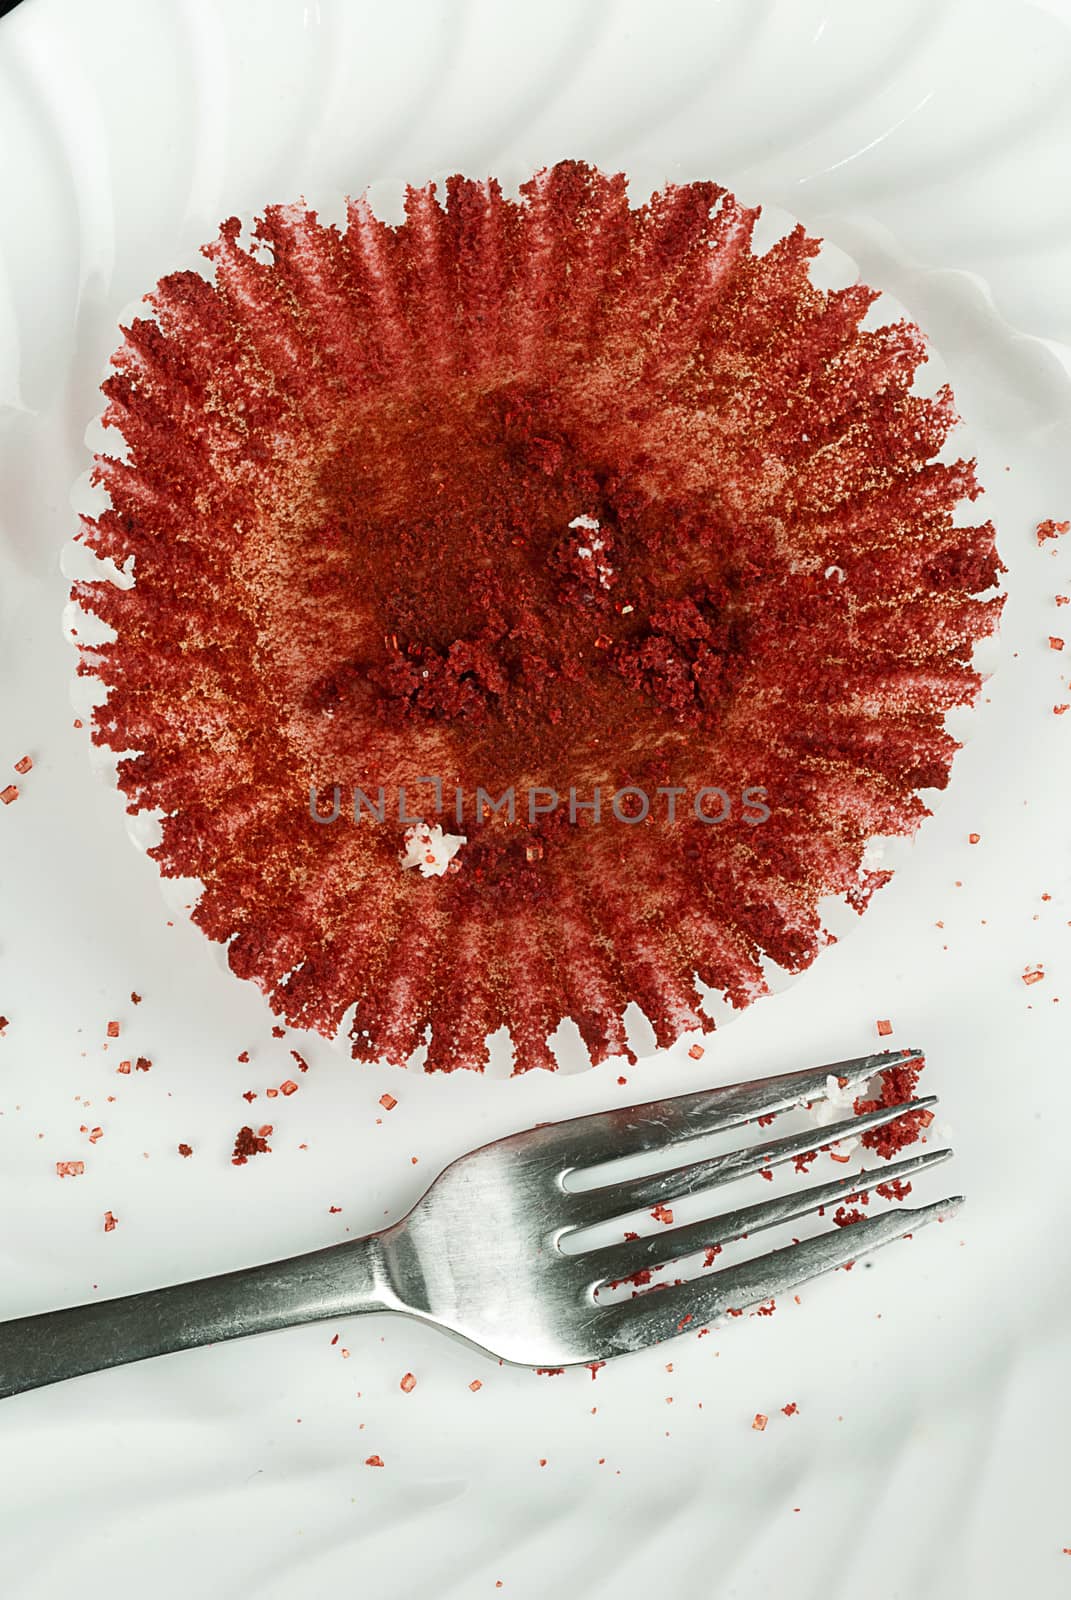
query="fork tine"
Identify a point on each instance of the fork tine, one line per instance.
(616, 1261)
(632, 1130)
(657, 1315)
(588, 1206)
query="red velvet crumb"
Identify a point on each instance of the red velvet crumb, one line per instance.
(246, 1144)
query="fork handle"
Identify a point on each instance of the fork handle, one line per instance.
(341, 1280)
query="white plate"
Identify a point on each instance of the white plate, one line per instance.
(929, 1455)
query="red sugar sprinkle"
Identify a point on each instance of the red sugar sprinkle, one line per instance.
(1033, 975)
(23, 765)
(760, 1422)
(289, 1087)
(135, 999)
(334, 1210)
(3, 1025)
(123, 1067)
(250, 1095)
(142, 1064)
(388, 1102)
(277, 1032)
(1055, 643)
(408, 1383)
(1050, 529)
(696, 1052)
(9, 794)
(486, 342)
(70, 1169)
(244, 1057)
(884, 1027)
(185, 1149)
(791, 1409)
(110, 1221)
(662, 1213)
(113, 1030)
(302, 1064)
(373, 1461)
(476, 1383)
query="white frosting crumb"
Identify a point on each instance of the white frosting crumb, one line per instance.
(430, 849)
(837, 1100)
(835, 572)
(590, 551)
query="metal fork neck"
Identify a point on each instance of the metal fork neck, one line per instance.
(342, 1280)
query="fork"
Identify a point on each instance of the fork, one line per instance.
(480, 1253)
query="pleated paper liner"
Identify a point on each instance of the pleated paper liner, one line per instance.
(514, 486)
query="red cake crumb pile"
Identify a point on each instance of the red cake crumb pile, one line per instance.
(898, 1084)
(247, 1143)
(547, 492)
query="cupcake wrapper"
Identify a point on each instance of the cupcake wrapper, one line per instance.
(642, 362)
